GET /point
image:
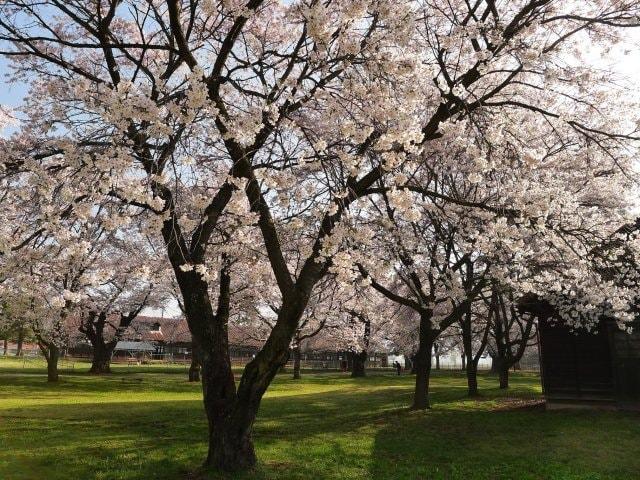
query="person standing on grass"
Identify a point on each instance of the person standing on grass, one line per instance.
(398, 367)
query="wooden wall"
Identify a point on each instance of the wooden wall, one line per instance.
(576, 365)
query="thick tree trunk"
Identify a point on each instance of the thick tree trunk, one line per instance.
(423, 365)
(230, 444)
(296, 362)
(230, 416)
(53, 355)
(101, 360)
(359, 361)
(231, 412)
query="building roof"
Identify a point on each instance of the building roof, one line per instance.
(135, 346)
(158, 329)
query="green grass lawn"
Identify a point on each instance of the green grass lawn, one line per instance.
(148, 423)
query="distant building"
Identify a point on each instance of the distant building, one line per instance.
(157, 338)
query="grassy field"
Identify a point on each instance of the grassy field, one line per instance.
(148, 423)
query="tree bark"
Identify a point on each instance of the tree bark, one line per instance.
(359, 362)
(229, 417)
(231, 412)
(494, 365)
(437, 361)
(101, 359)
(469, 360)
(19, 342)
(423, 364)
(296, 361)
(412, 362)
(5, 347)
(504, 376)
(230, 443)
(472, 379)
(52, 354)
(93, 326)
(194, 368)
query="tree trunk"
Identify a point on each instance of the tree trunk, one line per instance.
(423, 365)
(229, 415)
(359, 361)
(437, 361)
(52, 363)
(296, 362)
(472, 379)
(230, 444)
(230, 412)
(19, 342)
(504, 376)
(194, 368)
(101, 360)
(5, 347)
(464, 361)
(412, 362)
(494, 365)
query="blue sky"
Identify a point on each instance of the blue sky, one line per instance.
(10, 94)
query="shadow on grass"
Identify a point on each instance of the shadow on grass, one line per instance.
(520, 443)
(360, 430)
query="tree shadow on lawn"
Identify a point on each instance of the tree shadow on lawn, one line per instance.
(362, 431)
(326, 435)
(508, 443)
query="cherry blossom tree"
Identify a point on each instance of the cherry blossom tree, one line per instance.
(130, 281)
(289, 117)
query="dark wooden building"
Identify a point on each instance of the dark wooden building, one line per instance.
(598, 368)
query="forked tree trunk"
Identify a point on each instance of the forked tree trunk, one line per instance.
(231, 412)
(296, 361)
(230, 443)
(359, 362)
(423, 364)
